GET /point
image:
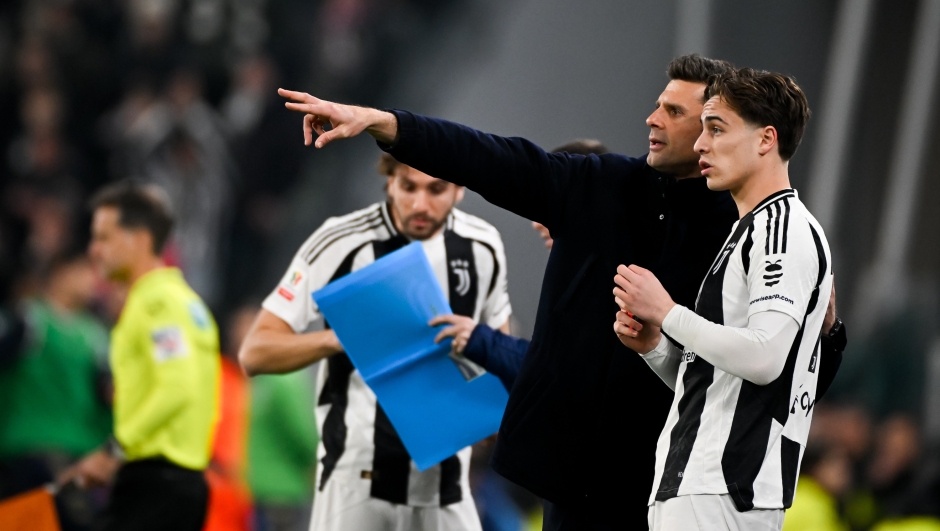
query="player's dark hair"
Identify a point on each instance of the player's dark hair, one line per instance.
(583, 147)
(696, 69)
(765, 98)
(139, 207)
(388, 165)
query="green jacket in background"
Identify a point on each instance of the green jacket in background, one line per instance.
(282, 444)
(49, 395)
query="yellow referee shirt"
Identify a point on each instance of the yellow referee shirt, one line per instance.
(165, 360)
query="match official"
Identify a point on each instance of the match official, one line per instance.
(165, 362)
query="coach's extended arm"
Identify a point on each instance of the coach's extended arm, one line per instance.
(512, 173)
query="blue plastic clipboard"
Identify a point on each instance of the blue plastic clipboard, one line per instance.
(380, 314)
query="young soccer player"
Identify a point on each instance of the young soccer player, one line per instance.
(744, 363)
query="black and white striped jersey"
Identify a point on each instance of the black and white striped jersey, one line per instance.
(727, 435)
(359, 446)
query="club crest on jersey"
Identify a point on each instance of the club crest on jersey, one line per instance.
(772, 272)
(461, 268)
(688, 357)
(724, 254)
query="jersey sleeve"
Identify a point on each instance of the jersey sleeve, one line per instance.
(496, 308)
(292, 298)
(783, 264)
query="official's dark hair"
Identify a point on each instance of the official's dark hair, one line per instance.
(696, 69)
(139, 207)
(765, 98)
(583, 147)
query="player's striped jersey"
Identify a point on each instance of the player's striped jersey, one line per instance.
(359, 447)
(728, 435)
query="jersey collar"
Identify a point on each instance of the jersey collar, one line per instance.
(786, 192)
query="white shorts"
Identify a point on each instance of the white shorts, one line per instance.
(341, 508)
(710, 512)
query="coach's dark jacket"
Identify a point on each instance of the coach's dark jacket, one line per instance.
(585, 413)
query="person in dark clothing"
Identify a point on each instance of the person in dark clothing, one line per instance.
(583, 416)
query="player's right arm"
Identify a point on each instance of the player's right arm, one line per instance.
(272, 346)
(279, 341)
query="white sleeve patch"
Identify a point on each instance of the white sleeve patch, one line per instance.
(168, 343)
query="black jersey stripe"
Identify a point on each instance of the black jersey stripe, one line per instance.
(699, 374)
(746, 248)
(450, 481)
(758, 406)
(345, 234)
(309, 247)
(489, 290)
(777, 215)
(789, 465)
(786, 223)
(391, 464)
(767, 242)
(336, 392)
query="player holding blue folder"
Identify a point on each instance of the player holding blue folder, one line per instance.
(366, 478)
(438, 402)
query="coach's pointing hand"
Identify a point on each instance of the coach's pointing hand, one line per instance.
(346, 121)
(639, 292)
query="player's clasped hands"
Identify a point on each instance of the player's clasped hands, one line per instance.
(643, 304)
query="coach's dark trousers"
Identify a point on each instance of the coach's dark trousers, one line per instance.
(157, 495)
(607, 515)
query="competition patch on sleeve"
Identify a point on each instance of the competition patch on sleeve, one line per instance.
(168, 343)
(288, 287)
(286, 293)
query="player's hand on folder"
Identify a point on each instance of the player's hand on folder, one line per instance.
(460, 330)
(95, 469)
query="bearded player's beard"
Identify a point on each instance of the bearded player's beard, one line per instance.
(430, 227)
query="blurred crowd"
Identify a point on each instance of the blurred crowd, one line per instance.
(181, 93)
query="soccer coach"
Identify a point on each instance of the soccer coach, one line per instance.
(583, 416)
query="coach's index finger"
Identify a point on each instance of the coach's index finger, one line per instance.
(299, 97)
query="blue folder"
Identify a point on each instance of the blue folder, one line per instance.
(380, 314)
